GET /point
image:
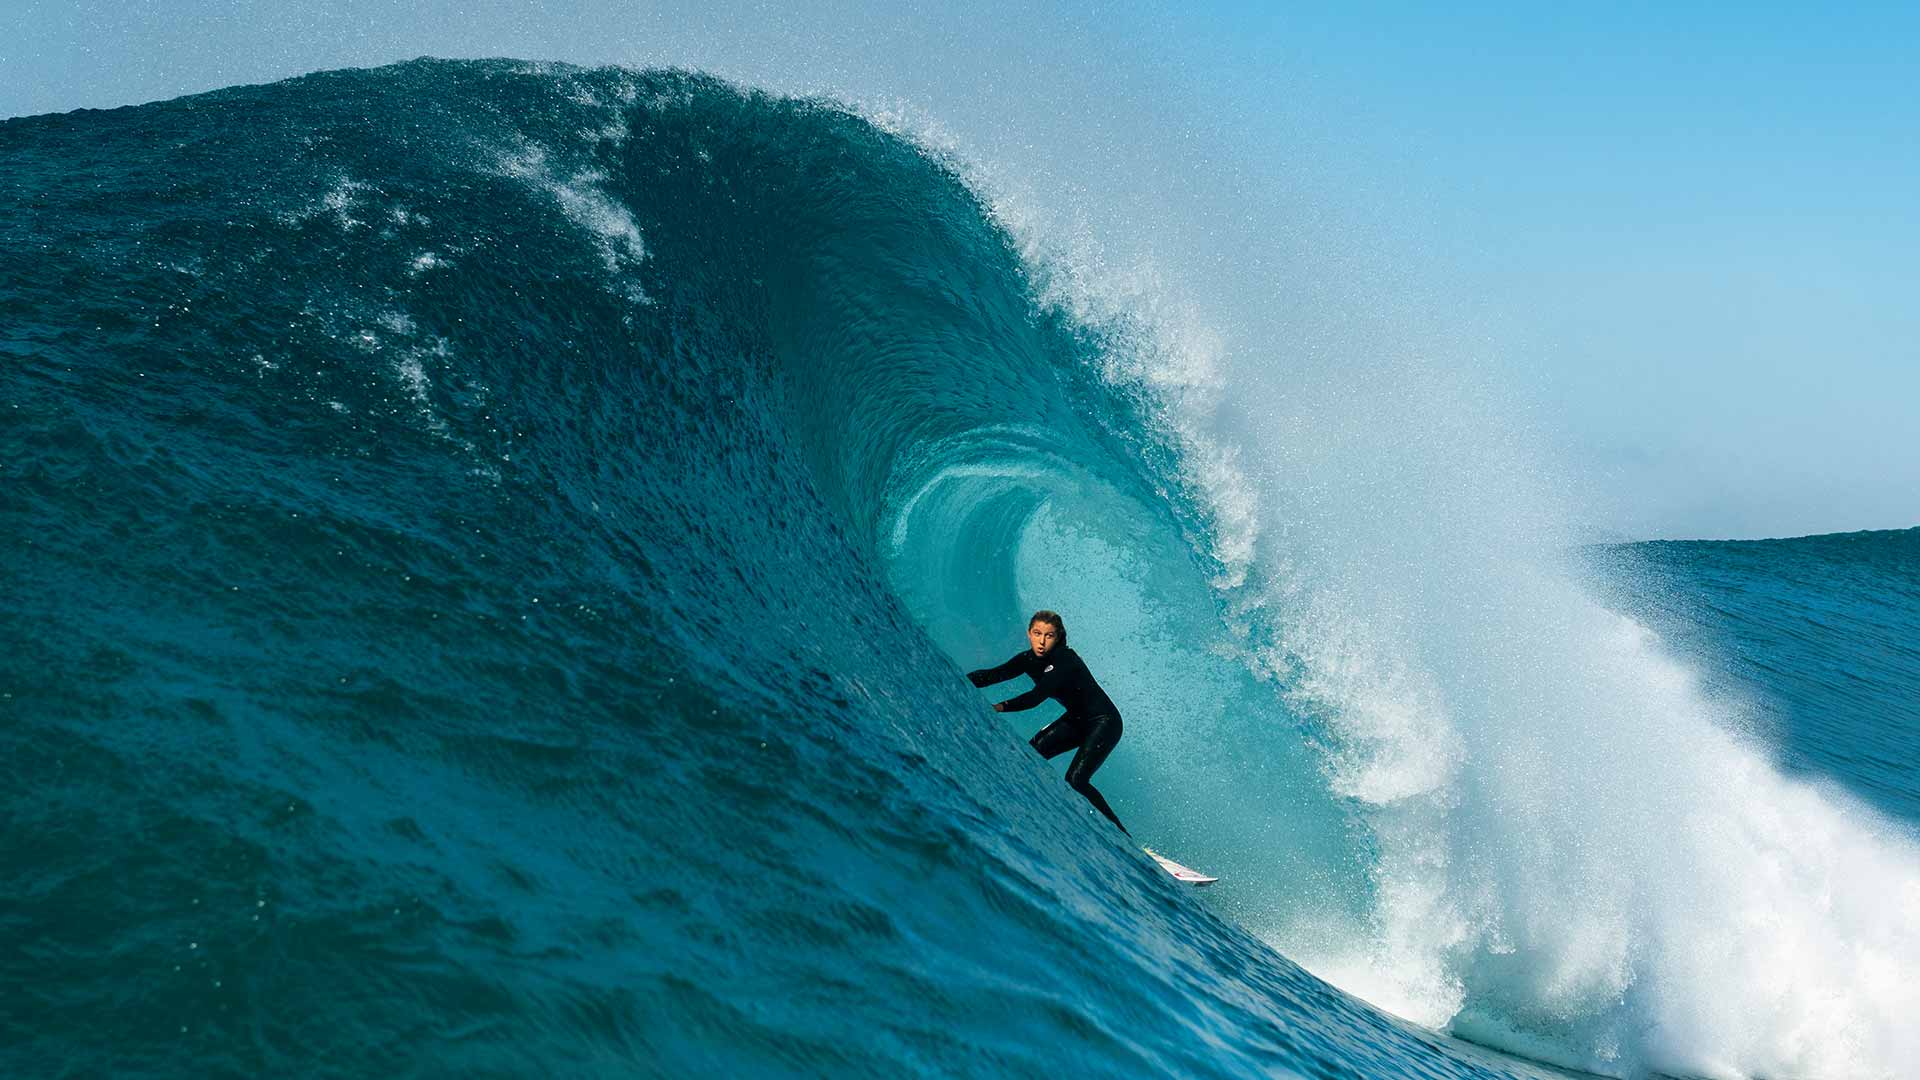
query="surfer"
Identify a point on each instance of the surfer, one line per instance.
(1090, 722)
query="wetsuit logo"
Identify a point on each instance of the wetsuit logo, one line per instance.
(1046, 669)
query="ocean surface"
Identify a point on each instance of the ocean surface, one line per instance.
(490, 551)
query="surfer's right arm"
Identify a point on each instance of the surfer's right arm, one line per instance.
(989, 676)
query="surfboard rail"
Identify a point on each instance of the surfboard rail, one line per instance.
(1186, 874)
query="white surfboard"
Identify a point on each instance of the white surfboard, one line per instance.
(1180, 873)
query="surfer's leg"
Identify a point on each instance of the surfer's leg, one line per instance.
(1102, 733)
(1059, 737)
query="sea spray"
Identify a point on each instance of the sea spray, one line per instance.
(1574, 851)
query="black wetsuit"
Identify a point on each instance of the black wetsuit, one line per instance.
(1090, 722)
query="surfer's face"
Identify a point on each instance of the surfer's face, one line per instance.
(1043, 635)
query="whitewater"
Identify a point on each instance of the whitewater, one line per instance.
(493, 547)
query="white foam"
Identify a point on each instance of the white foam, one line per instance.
(1570, 839)
(581, 199)
(1578, 855)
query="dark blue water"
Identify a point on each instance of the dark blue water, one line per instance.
(1817, 637)
(491, 550)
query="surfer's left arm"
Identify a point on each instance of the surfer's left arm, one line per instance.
(1044, 685)
(1000, 674)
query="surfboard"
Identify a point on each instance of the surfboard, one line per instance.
(1180, 873)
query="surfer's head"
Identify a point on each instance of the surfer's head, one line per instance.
(1047, 631)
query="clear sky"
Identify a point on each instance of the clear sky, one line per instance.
(1698, 225)
(1692, 232)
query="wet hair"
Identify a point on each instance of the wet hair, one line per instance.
(1051, 618)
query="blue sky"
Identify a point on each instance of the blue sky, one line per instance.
(1688, 231)
(1697, 226)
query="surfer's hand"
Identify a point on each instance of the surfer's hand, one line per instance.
(999, 706)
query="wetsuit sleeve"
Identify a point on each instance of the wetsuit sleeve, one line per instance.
(1044, 686)
(989, 676)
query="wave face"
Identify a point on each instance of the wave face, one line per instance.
(492, 552)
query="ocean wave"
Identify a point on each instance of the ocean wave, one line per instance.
(498, 546)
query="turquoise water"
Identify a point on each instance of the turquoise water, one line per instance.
(492, 551)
